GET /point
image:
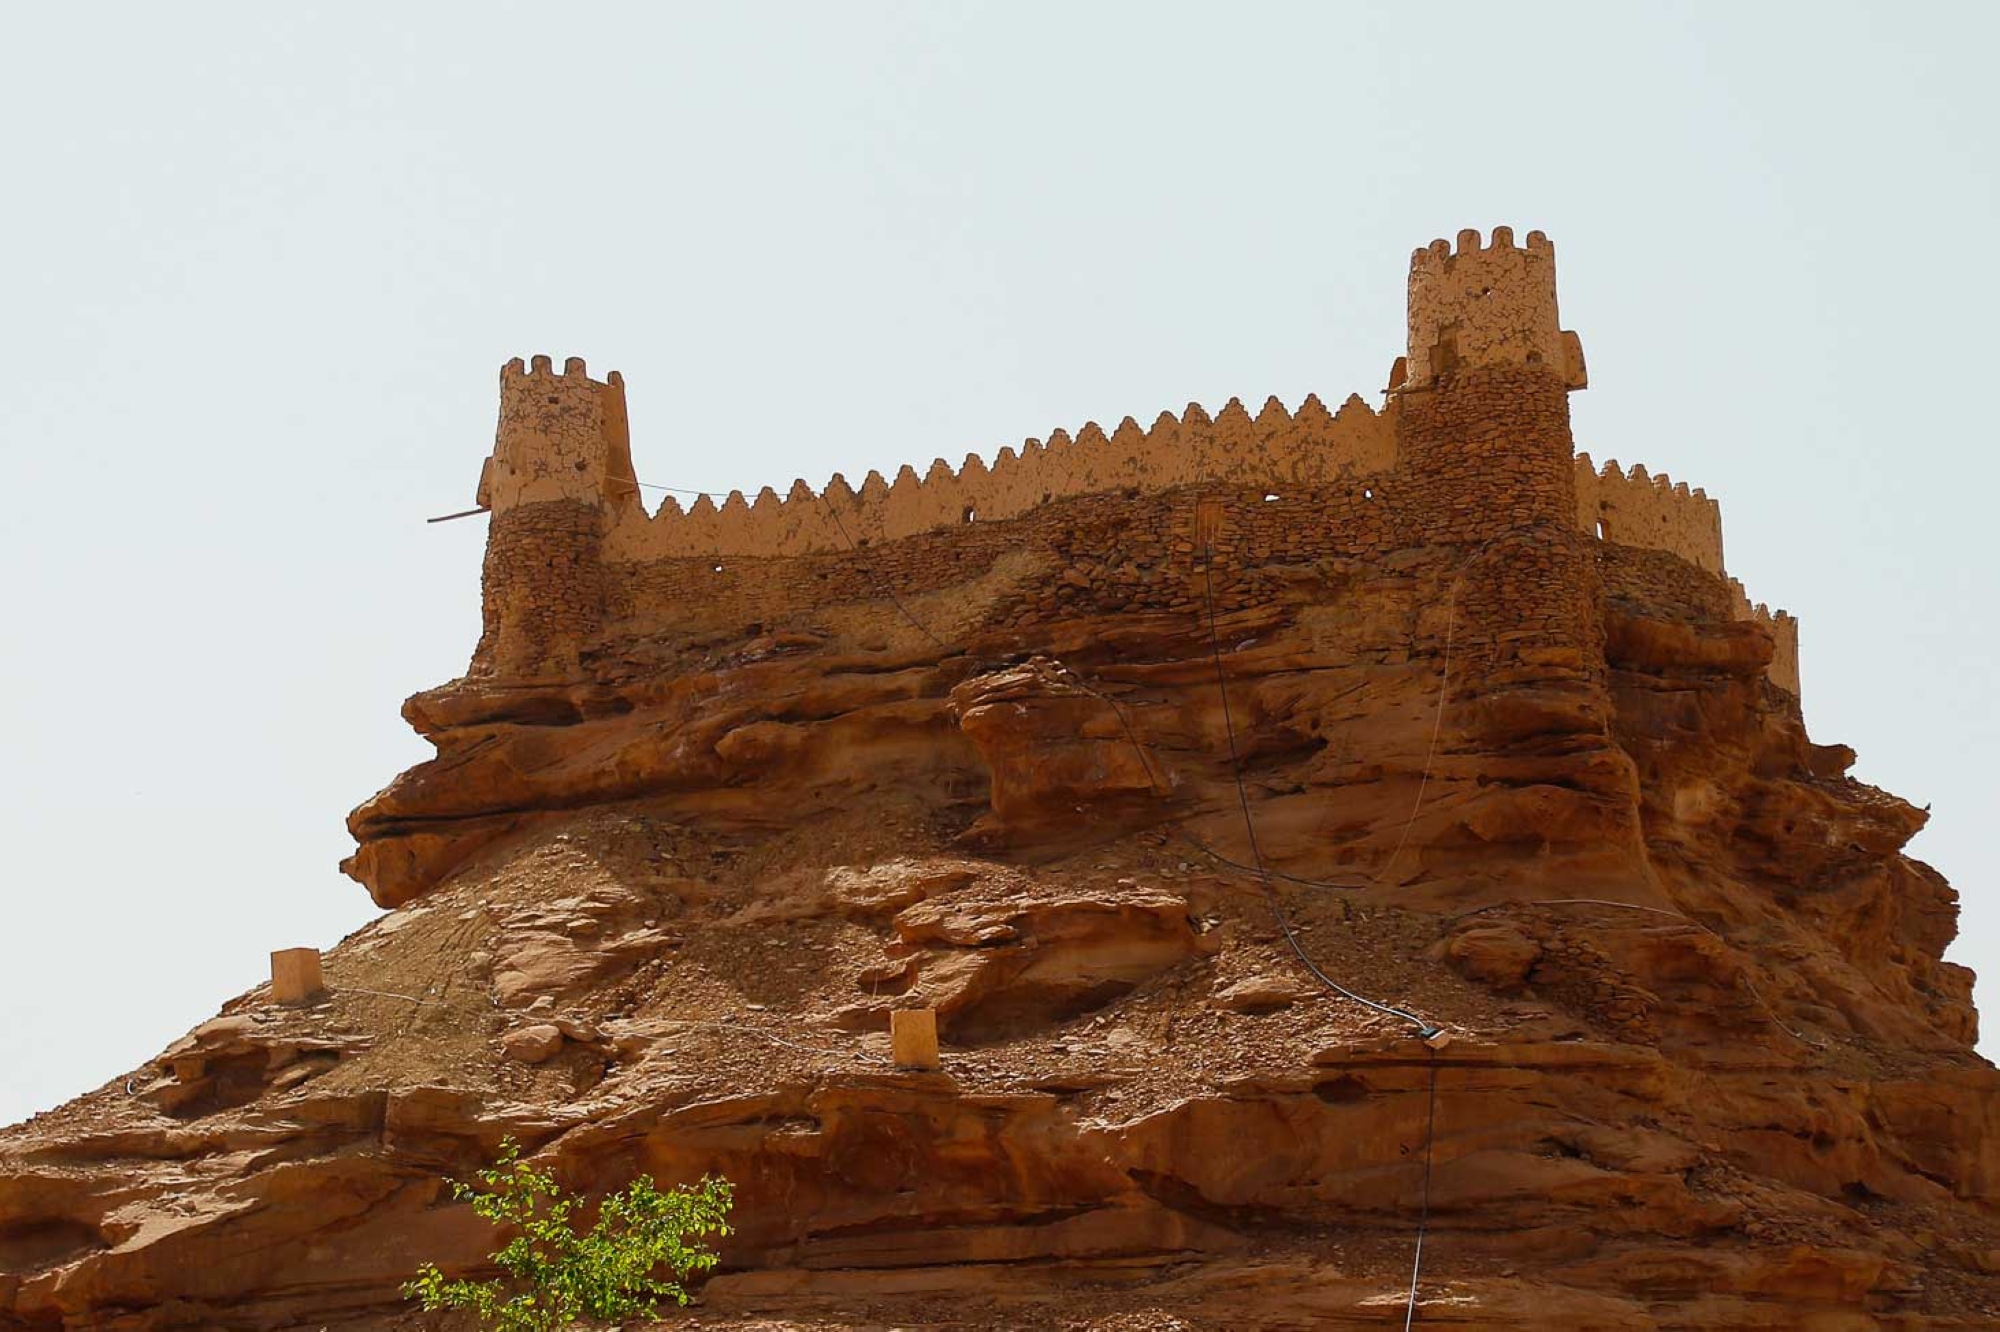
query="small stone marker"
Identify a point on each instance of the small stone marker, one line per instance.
(913, 1037)
(295, 975)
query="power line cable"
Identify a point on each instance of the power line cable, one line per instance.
(1424, 1212)
(1424, 1029)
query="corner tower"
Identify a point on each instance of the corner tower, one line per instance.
(1484, 306)
(561, 437)
(560, 473)
(1484, 448)
(1483, 431)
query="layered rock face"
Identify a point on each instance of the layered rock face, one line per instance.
(1698, 1063)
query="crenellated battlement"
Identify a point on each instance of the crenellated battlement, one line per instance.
(560, 436)
(543, 367)
(1784, 668)
(1472, 449)
(1655, 512)
(1440, 253)
(1276, 447)
(1476, 305)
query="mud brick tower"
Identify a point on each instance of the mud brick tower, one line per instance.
(1483, 440)
(561, 468)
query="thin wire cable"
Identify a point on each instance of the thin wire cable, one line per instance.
(1424, 1212)
(733, 1028)
(1743, 974)
(887, 591)
(1425, 1029)
(1437, 726)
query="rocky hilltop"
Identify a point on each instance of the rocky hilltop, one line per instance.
(1307, 837)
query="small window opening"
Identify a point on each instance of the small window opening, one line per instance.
(1444, 355)
(1270, 499)
(1368, 492)
(716, 569)
(554, 400)
(1207, 523)
(1534, 358)
(971, 514)
(1603, 530)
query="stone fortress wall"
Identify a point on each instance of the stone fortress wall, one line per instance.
(1473, 432)
(1277, 447)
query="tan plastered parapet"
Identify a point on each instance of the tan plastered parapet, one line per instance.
(1485, 304)
(561, 437)
(1276, 447)
(1784, 668)
(1653, 512)
(566, 437)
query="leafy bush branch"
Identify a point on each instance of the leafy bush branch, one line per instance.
(645, 1244)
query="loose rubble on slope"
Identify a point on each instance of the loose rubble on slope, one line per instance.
(1148, 1111)
(1658, 1031)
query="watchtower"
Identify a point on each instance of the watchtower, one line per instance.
(1484, 449)
(560, 474)
(1483, 431)
(561, 437)
(1485, 305)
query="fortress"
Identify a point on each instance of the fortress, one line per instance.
(1297, 834)
(1472, 449)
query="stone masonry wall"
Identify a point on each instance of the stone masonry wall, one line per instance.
(1098, 553)
(1485, 454)
(1470, 458)
(554, 580)
(543, 589)
(1277, 446)
(1489, 452)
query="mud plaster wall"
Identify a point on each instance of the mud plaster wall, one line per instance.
(1487, 305)
(1650, 511)
(1277, 447)
(1487, 453)
(560, 437)
(1784, 670)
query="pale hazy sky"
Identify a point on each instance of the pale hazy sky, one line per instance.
(260, 263)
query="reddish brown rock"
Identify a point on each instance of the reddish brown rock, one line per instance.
(1092, 759)
(532, 1044)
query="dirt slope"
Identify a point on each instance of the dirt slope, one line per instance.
(1705, 1067)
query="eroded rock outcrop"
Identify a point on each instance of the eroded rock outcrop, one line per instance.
(1750, 1103)
(696, 824)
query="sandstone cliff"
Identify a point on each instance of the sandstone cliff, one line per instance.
(699, 879)
(1302, 853)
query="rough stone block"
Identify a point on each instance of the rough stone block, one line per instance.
(913, 1040)
(295, 975)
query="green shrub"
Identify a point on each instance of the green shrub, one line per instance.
(645, 1243)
